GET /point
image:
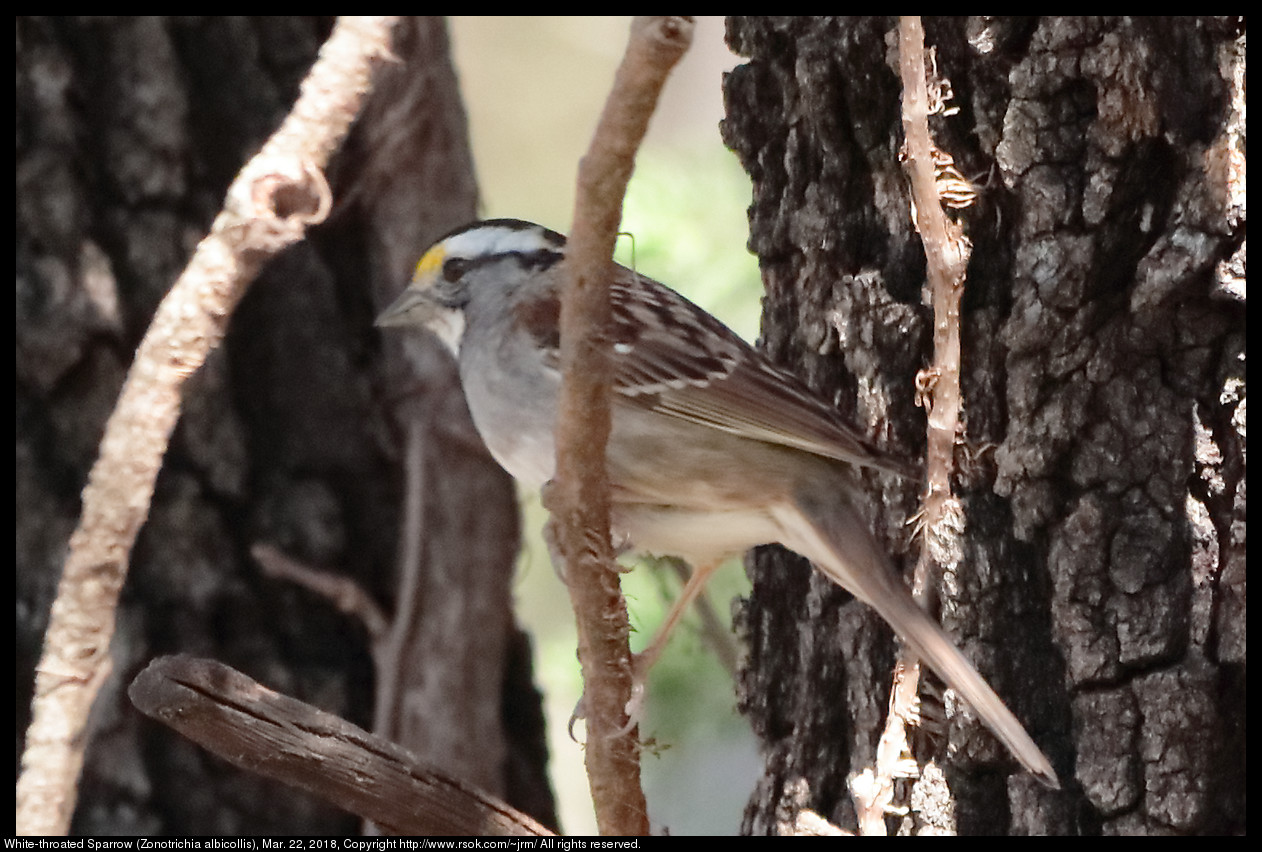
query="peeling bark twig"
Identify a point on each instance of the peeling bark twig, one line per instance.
(947, 252)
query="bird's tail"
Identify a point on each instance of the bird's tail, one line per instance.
(836, 540)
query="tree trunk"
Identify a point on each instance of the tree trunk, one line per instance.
(1102, 464)
(294, 434)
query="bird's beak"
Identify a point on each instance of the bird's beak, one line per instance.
(413, 307)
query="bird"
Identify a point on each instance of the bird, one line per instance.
(713, 450)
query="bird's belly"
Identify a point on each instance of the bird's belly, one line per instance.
(700, 537)
(677, 488)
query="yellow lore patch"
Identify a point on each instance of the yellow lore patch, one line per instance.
(429, 264)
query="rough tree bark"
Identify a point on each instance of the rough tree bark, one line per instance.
(1102, 467)
(294, 432)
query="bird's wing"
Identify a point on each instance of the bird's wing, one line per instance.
(704, 373)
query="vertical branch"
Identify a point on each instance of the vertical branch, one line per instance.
(946, 253)
(269, 206)
(579, 497)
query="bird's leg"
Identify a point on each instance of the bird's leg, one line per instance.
(644, 660)
(695, 585)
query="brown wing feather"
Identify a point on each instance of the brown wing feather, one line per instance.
(722, 382)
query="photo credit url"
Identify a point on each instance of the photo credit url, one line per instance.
(314, 844)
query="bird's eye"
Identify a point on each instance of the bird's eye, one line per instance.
(454, 268)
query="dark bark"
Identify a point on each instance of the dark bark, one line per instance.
(129, 130)
(1102, 469)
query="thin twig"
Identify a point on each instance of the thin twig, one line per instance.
(579, 497)
(946, 251)
(340, 590)
(269, 206)
(389, 654)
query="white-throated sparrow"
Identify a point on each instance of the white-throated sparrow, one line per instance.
(713, 450)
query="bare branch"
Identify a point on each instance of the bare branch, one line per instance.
(279, 737)
(579, 497)
(946, 252)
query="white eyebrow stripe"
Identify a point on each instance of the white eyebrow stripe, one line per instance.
(493, 241)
